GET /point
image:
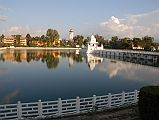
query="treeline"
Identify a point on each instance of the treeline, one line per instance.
(51, 39)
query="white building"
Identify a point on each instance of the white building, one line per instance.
(93, 45)
(71, 34)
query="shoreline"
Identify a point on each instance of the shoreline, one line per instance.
(39, 48)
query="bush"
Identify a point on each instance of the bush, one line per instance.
(149, 103)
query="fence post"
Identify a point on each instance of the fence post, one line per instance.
(59, 107)
(94, 100)
(109, 100)
(136, 96)
(19, 110)
(77, 105)
(123, 98)
(40, 109)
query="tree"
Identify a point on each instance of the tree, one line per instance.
(28, 39)
(126, 43)
(52, 35)
(114, 41)
(148, 42)
(17, 40)
(100, 39)
(137, 42)
(1, 38)
(86, 41)
(78, 40)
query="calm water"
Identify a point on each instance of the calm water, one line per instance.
(30, 75)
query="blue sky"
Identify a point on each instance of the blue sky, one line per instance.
(105, 17)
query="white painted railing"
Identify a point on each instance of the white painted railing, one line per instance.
(130, 51)
(67, 107)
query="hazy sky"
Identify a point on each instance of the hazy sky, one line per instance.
(131, 18)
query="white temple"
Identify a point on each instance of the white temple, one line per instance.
(93, 45)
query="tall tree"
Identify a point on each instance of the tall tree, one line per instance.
(52, 35)
(2, 38)
(28, 38)
(17, 40)
(114, 41)
(99, 38)
(148, 42)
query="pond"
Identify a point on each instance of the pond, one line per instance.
(30, 75)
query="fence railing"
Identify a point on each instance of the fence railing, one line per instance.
(66, 107)
(130, 51)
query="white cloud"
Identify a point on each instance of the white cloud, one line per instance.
(2, 8)
(2, 11)
(15, 29)
(23, 30)
(3, 18)
(133, 25)
(114, 24)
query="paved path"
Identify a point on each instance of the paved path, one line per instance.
(129, 113)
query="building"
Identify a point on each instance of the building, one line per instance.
(9, 40)
(12, 39)
(23, 41)
(71, 34)
(93, 45)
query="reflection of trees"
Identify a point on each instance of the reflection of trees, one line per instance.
(51, 58)
(51, 61)
(75, 57)
(17, 56)
(1, 57)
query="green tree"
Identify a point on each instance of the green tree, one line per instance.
(126, 43)
(52, 35)
(17, 40)
(100, 39)
(148, 42)
(114, 41)
(78, 40)
(1, 40)
(28, 39)
(137, 42)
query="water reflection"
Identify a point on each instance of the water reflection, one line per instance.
(9, 97)
(50, 58)
(67, 75)
(3, 71)
(129, 71)
(93, 61)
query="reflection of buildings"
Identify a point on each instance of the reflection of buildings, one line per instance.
(23, 55)
(70, 61)
(93, 61)
(11, 55)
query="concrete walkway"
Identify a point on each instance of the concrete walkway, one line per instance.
(128, 113)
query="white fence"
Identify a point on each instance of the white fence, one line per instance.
(128, 51)
(66, 107)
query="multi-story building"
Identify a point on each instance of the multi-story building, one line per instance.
(12, 39)
(23, 41)
(9, 40)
